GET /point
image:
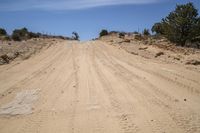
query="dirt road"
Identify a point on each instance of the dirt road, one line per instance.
(93, 87)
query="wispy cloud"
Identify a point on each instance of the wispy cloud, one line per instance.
(16, 5)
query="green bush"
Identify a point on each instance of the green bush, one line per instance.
(33, 35)
(103, 33)
(16, 37)
(3, 32)
(146, 32)
(20, 34)
(181, 25)
(121, 35)
(135, 32)
(157, 28)
(75, 36)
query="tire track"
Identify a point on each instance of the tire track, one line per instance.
(34, 75)
(173, 81)
(171, 108)
(125, 120)
(76, 90)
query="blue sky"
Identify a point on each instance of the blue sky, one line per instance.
(87, 17)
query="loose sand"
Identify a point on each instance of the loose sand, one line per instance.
(93, 87)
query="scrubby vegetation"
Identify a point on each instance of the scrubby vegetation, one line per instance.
(20, 34)
(3, 35)
(181, 25)
(24, 34)
(103, 33)
(75, 36)
(3, 32)
(146, 32)
(157, 28)
(136, 32)
(121, 35)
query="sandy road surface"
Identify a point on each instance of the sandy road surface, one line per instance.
(92, 87)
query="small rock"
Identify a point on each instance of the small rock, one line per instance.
(193, 62)
(176, 58)
(127, 40)
(143, 48)
(134, 53)
(159, 54)
(185, 100)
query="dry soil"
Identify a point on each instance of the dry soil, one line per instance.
(92, 87)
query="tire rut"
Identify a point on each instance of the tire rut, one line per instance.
(125, 120)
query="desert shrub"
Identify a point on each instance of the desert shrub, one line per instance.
(20, 34)
(5, 38)
(135, 32)
(103, 33)
(146, 32)
(157, 28)
(181, 25)
(138, 37)
(4, 58)
(113, 32)
(61, 37)
(121, 35)
(16, 37)
(75, 36)
(3, 32)
(33, 35)
(39, 34)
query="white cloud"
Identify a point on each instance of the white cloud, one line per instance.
(16, 5)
